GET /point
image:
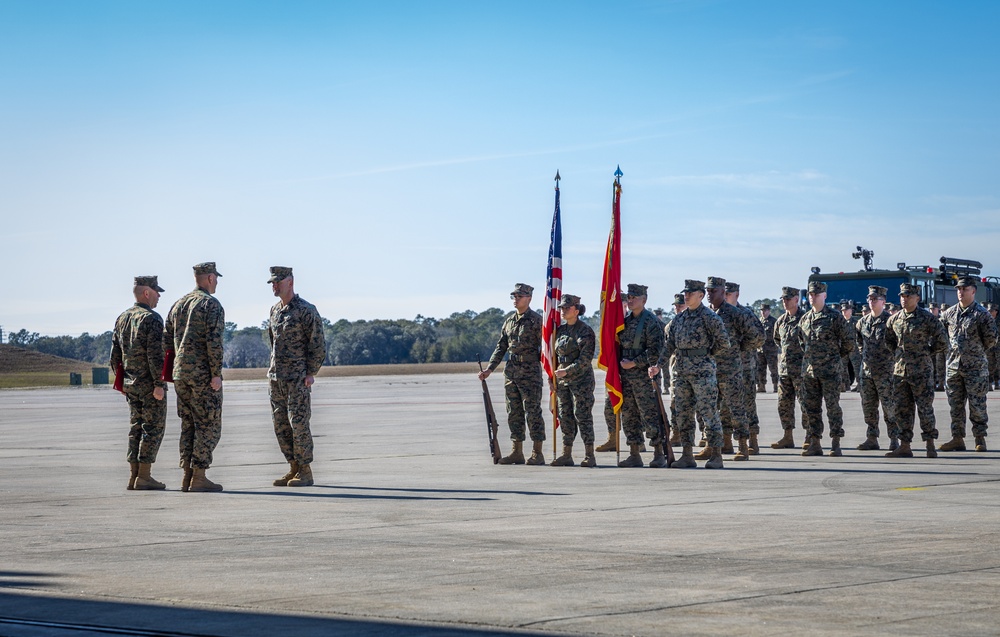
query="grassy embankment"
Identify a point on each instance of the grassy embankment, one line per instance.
(26, 368)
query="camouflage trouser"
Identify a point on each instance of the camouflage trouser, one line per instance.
(576, 409)
(731, 406)
(940, 367)
(523, 394)
(750, 396)
(992, 356)
(854, 360)
(609, 416)
(200, 410)
(148, 418)
(790, 389)
(291, 408)
(911, 395)
(879, 389)
(696, 393)
(640, 411)
(970, 386)
(767, 360)
(816, 391)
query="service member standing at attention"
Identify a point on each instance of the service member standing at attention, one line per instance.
(694, 337)
(854, 358)
(939, 359)
(729, 374)
(786, 337)
(521, 335)
(575, 345)
(825, 337)
(915, 336)
(675, 433)
(193, 334)
(767, 358)
(971, 332)
(298, 348)
(752, 341)
(876, 371)
(641, 343)
(137, 349)
(994, 353)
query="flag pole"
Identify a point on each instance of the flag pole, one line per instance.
(553, 399)
(618, 416)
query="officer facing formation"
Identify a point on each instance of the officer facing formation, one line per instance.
(298, 347)
(876, 371)
(786, 331)
(971, 333)
(521, 335)
(137, 358)
(915, 336)
(825, 338)
(574, 381)
(749, 344)
(767, 357)
(694, 337)
(193, 336)
(641, 344)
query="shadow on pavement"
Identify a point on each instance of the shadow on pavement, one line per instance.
(24, 614)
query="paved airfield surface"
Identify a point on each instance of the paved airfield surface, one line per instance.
(411, 530)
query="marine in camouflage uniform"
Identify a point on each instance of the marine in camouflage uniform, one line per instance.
(679, 307)
(193, 333)
(137, 357)
(729, 371)
(876, 370)
(854, 358)
(574, 382)
(752, 341)
(994, 352)
(915, 336)
(694, 338)
(641, 344)
(786, 338)
(298, 347)
(826, 338)
(521, 338)
(940, 360)
(767, 357)
(972, 332)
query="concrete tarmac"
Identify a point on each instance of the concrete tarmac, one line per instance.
(412, 530)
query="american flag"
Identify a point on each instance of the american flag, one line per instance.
(553, 292)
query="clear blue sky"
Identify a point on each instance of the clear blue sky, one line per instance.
(400, 155)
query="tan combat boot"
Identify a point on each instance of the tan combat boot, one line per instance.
(186, 480)
(591, 459)
(516, 455)
(610, 445)
(957, 443)
(675, 438)
(304, 478)
(659, 460)
(536, 453)
(686, 461)
(566, 459)
(134, 473)
(870, 444)
(715, 461)
(814, 448)
(903, 451)
(201, 484)
(806, 442)
(146, 482)
(634, 459)
(981, 444)
(754, 446)
(931, 451)
(704, 454)
(744, 452)
(704, 441)
(787, 441)
(293, 468)
(727, 444)
(835, 448)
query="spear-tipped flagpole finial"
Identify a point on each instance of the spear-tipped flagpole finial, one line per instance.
(618, 173)
(557, 178)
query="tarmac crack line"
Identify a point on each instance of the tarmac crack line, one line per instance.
(741, 598)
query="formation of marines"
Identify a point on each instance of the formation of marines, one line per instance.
(187, 350)
(718, 356)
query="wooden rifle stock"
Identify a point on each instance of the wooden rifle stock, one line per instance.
(491, 418)
(668, 449)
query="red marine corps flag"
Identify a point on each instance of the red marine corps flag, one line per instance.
(612, 312)
(550, 317)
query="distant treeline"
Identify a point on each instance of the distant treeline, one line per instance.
(458, 338)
